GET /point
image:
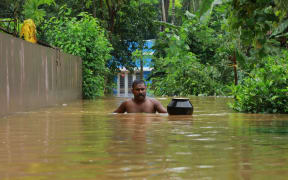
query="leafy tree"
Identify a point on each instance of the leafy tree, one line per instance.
(32, 11)
(257, 23)
(128, 23)
(257, 29)
(10, 15)
(265, 89)
(16, 11)
(11, 8)
(261, 28)
(211, 68)
(178, 69)
(84, 37)
(134, 24)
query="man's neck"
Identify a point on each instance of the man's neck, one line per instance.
(139, 101)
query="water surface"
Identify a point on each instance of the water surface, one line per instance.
(84, 140)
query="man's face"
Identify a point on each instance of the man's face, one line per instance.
(139, 91)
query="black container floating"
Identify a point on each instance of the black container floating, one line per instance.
(180, 106)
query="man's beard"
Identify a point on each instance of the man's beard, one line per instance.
(141, 96)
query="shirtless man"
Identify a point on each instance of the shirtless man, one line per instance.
(140, 103)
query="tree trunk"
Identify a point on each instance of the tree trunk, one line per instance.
(163, 11)
(167, 2)
(94, 8)
(194, 6)
(187, 4)
(112, 14)
(141, 67)
(141, 45)
(163, 15)
(112, 21)
(101, 9)
(173, 12)
(235, 68)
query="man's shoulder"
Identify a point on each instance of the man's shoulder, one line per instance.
(153, 100)
(127, 101)
(159, 107)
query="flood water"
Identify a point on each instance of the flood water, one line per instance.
(83, 140)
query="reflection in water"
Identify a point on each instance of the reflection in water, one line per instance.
(132, 149)
(83, 140)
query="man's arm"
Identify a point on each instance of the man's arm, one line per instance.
(121, 108)
(159, 107)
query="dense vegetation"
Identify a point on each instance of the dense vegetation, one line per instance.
(202, 47)
(265, 89)
(81, 36)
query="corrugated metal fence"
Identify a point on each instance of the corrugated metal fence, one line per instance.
(33, 76)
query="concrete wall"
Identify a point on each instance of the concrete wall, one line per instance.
(33, 76)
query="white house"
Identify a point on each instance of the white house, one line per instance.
(125, 78)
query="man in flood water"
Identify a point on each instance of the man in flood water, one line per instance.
(140, 103)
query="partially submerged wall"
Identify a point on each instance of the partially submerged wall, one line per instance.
(33, 76)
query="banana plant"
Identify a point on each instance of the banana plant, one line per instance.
(206, 8)
(32, 11)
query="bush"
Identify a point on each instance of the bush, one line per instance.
(192, 59)
(181, 73)
(266, 90)
(82, 36)
(185, 76)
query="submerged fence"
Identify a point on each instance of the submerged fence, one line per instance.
(33, 76)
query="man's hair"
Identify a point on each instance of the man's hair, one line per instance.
(137, 81)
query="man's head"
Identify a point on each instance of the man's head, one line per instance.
(139, 90)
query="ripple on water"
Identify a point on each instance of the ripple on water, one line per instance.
(205, 166)
(86, 141)
(205, 139)
(178, 169)
(193, 135)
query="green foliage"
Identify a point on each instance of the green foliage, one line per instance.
(178, 71)
(134, 24)
(184, 75)
(10, 16)
(11, 8)
(266, 90)
(280, 30)
(255, 21)
(82, 36)
(18, 10)
(192, 59)
(128, 23)
(32, 11)
(9, 25)
(202, 40)
(206, 8)
(193, 56)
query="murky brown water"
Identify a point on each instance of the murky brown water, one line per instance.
(83, 140)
